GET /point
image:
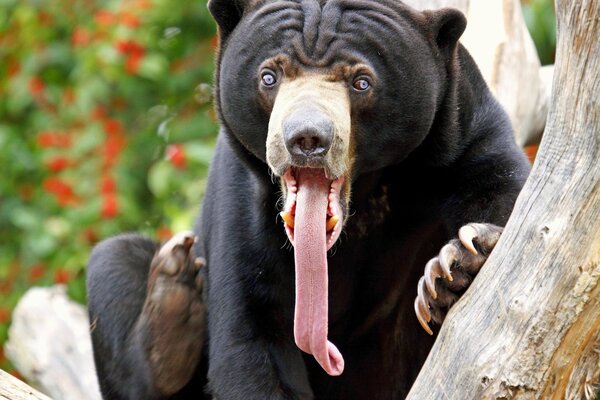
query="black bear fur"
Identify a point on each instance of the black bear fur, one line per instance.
(432, 151)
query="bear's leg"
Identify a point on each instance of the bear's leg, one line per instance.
(147, 316)
(457, 263)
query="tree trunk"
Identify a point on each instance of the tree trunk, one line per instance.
(13, 389)
(529, 327)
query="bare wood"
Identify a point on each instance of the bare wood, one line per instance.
(529, 327)
(49, 343)
(498, 39)
(13, 389)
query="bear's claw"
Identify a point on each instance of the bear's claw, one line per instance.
(176, 256)
(458, 262)
(183, 239)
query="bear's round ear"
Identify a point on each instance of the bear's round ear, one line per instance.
(446, 25)
(227, 14)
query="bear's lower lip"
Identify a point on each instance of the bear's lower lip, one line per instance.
(334, 220)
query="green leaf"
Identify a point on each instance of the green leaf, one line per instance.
(153, 67)
(200, 152)
(159, 179)
(25, 218)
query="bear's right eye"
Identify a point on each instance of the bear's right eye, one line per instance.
(268, 78)
(361, 84)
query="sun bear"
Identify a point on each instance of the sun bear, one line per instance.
(362, 174)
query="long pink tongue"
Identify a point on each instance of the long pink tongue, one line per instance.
(310, 319)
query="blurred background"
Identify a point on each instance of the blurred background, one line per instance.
(106, 126)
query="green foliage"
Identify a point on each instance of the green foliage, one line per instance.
(541, 22)
(105, 126)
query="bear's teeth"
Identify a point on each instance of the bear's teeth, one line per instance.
(331, 223)
(288, 218)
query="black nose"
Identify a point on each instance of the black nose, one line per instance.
(308, 134)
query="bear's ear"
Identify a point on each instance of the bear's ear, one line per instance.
(446, 25)
(227, 14)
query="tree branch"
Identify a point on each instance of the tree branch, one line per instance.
(13, 389)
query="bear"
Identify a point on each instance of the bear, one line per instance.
(362, 174)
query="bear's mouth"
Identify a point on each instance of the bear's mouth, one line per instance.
(313, 220)
(334, 217)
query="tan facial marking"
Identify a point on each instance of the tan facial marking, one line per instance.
(308, 93)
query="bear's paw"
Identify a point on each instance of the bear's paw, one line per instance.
(457, 264)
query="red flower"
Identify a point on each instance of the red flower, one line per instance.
(66, 200)
(142, 4)
(129, 19)
(61, 190)
(56, 186)
(108, 185)
(136, 49)
(80, 37)
(110, 207)
(112, 148)
(62, 276)
(105, 18)
(36, 86)
(132, 64)
(130, 47)
(176, 155)
(36, 272)
(52, 139)
(113, 127)
(58, 164)
(45, 139)
(122, 46)
(99, 112)
(135, 53)
(163, 233)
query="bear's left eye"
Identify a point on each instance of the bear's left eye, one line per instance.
(361, 84)
(268, 78)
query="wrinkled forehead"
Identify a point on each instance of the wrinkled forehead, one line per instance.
(319, 33)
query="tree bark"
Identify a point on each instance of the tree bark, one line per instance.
(13, 389)
(49, 343)
(529, 326)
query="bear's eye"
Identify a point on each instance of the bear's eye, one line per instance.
(268, 78)
(361, 84)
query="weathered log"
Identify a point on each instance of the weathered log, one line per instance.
(49, 343)
(529, 326)
(13, 389)
(498, 39)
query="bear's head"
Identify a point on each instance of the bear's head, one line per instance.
(323, 91)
